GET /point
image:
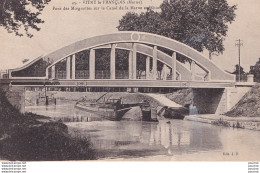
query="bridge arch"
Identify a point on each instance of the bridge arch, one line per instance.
(135, 42)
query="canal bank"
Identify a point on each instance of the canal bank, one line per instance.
(31, 137)
(251, 123)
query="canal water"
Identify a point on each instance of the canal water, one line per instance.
(164, 140)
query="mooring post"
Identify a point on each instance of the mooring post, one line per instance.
(46, 100)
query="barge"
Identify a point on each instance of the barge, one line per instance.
(113, 109)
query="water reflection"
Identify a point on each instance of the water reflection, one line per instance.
(117, 139)
(64, 111)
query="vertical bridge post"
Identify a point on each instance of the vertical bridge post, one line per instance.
(92, 64)
(68, 68)
(154, 62)
(147, 68)
(134, 61)
(192, 70)
(73, 71)
(53, 72)
(130, 64)
(174, 66)
(113, 61)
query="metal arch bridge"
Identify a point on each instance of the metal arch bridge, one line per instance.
(135, 42)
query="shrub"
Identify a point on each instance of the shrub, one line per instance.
(24, 138)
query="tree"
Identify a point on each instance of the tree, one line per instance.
(18, 15)
(140, 64)
(255, 70)
(82, 60)
(37, 69)
(121, 59)
(103, 59)
(201, 24)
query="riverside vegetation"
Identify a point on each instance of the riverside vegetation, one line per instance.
(31, 137)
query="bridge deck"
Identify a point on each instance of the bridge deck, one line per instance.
(120, 83)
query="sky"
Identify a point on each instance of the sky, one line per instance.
(63, 27)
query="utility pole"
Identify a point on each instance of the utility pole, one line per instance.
(239, 44)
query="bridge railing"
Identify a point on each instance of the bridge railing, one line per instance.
(60, 75)
(102, 74)
(82, 74)
(140, 74)
(243, 78)
(169, 76)
(122, 74)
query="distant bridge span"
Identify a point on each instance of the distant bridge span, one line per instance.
(47, 69)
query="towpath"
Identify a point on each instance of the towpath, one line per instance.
(164, 101)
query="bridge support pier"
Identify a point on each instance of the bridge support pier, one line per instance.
(210, 100)
(217, 100)
(16, 96)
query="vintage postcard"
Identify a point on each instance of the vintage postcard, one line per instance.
(130, 80)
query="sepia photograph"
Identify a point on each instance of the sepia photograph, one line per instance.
(130, 80)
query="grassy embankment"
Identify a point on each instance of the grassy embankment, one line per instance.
(249, 108)
(245, 114)
(249, 105)
(182, 97)
(30, 137)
